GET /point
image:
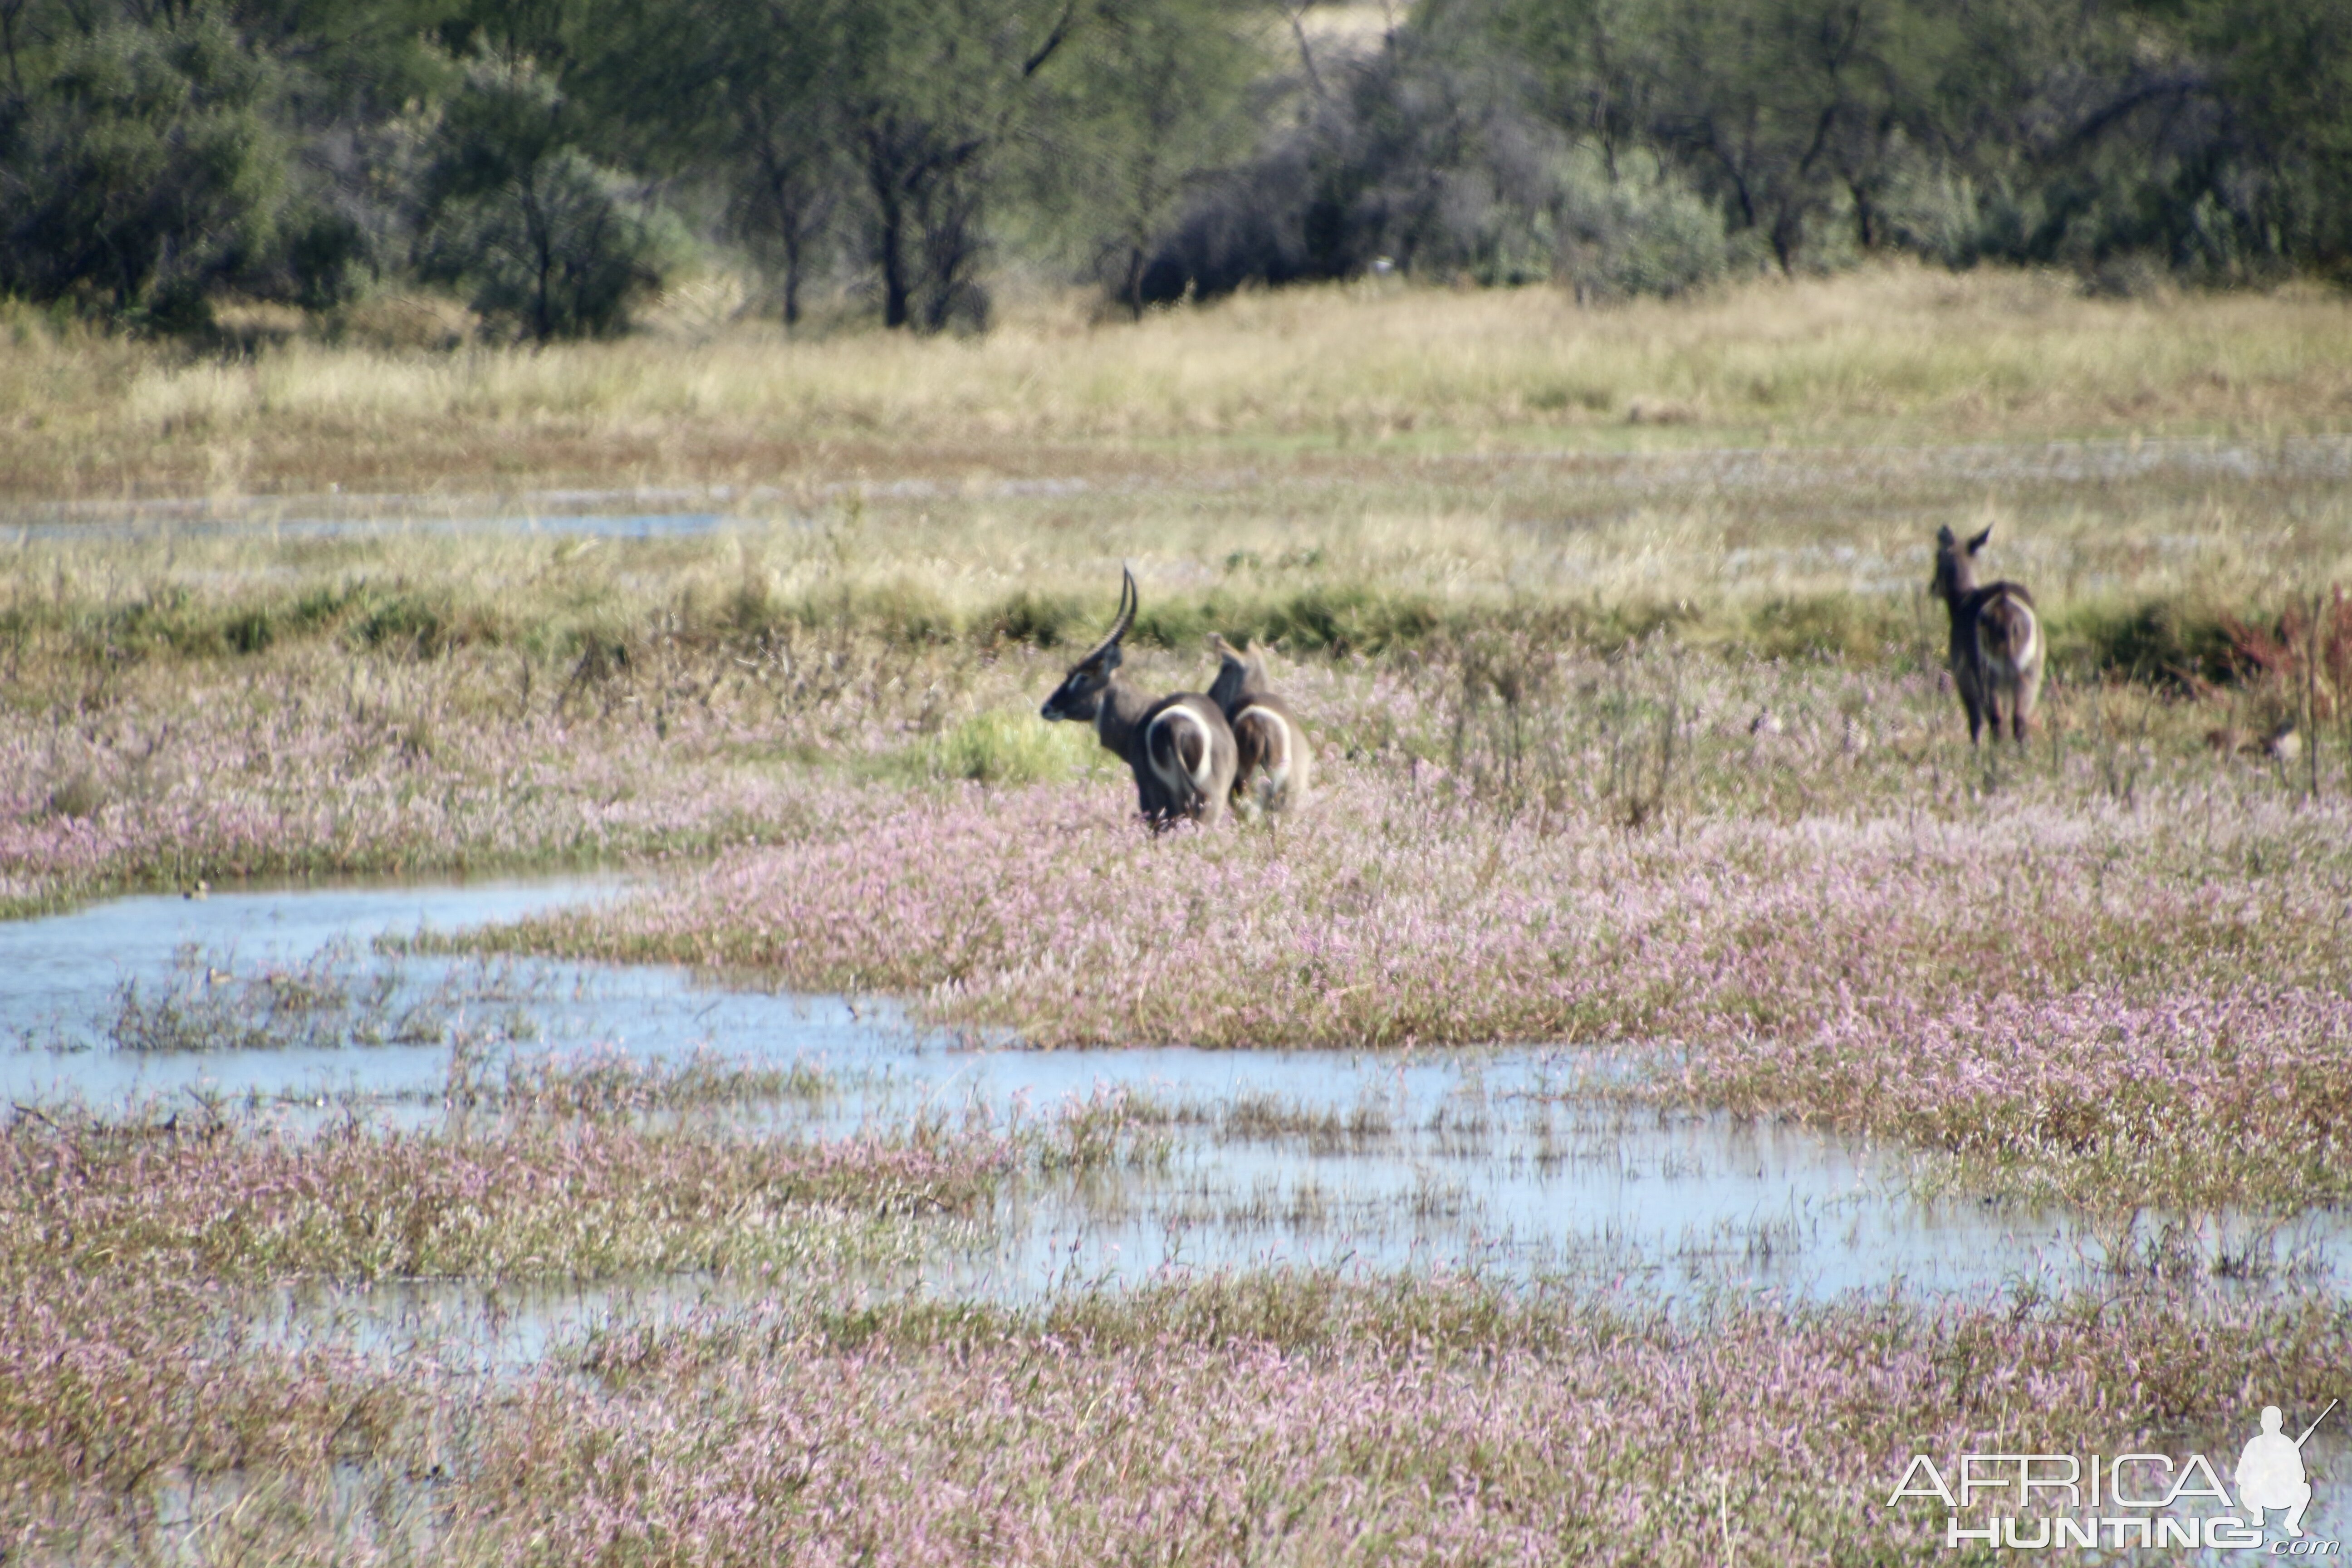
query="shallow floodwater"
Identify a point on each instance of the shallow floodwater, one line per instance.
(676, 511)
(1499, 1162)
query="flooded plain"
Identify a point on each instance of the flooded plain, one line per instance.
(316, 1004)
(1583, 478)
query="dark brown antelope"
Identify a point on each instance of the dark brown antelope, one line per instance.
(1996, 651)
(1180, 748)
(1274, 761)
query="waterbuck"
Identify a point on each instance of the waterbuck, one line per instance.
(1276, 760)
(1996, 651)
(1180, 748)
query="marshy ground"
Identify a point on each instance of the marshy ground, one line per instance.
(667, 1059)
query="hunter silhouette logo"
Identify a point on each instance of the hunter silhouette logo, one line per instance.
(2270, 1472)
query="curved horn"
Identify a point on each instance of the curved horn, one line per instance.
(1133, 601)
(1127, 605)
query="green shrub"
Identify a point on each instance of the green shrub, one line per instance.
(1834, 626)
(1349, 620)
(1178, 623)
(250, 631)
(148, 168)
(750, 607)
(547, 241)
(320, 607)
(419, 625)
(1640, 229)
(908, 612)
(1040, 620)
(1002, 748)
(2158, 641)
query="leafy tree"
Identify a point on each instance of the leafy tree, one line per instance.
(1157, 96)
(1776, 103)
(146, 168)
(1586, 65)
(154, 153)
(754, 92)
(544, 237)
(931, 90)
(350, 62)
(2281, 72)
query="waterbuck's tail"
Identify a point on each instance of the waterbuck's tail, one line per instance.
(1179, 747)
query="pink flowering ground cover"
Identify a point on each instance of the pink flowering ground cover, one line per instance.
(1292, 1420)
(1256, 1418)
(2098, 1097)
(1391, 917)
(2105, 972)
(2035, 980)
(2106, 955)
(297, 783)
(501, 1197)
(145, 1261)
(317, 762)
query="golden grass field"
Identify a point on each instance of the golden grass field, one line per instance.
(1763, 465)
(1367, 377)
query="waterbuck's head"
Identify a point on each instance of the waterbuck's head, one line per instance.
(1239, 675)
(1080, 695)
(1956, 564)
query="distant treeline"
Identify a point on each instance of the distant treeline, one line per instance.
(552, 162)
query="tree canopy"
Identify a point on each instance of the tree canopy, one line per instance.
(552, 160)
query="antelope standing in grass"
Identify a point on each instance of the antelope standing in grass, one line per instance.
(1996, 639)
(1180, 747)
(1274, 761)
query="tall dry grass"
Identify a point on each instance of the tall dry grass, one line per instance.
(1900, 353)
(2139, 562)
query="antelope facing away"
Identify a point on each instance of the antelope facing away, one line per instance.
(1180, 747)
(1274, 759)
(1996, 652)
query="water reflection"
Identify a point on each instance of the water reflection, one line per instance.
(1505, 1163)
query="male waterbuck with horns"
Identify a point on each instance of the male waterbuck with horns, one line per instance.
(1274, 759)
(1180, 748)
(1996, 639)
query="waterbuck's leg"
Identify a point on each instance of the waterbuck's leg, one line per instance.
(1976, 714)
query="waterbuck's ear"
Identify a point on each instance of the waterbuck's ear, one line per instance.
(1978, 542)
